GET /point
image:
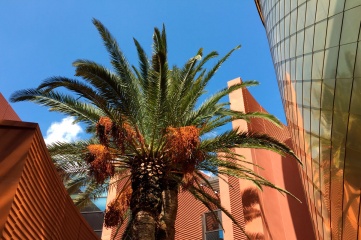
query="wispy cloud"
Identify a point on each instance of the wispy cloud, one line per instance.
(64, 131)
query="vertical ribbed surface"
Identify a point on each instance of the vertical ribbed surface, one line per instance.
(40, 207)
(236, 207)
(189, 217)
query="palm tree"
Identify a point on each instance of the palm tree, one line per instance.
(149, 131)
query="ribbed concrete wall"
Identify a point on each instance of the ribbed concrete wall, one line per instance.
(34, 203)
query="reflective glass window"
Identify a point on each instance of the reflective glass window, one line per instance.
(316, 94)
(346, 61)
(354, 133)
(307, 124)
(327, 96)
(293, 46)
(357, 70)
(325, 128)
(299, 67)
(352, 3)
(343, 94)
(317, 65)
(336, 6)
(287, 26)
(320, 34)
(355, 107)
(308, 47)
(322, 10)
(310, 13)
(315, 127)
(300, 42)
(287, 7)
(301, 17)
(351, 25)
(307, 67)
(334, 31)
(330, 63)
(293, 22)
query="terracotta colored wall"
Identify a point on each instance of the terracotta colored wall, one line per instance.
(283, 216)
(6, 112)
(34, 203)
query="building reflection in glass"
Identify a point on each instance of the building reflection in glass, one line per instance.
(315, 46)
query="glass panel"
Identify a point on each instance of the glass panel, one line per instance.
(317, 65)
(310, 13)
(352, 3)
(330, 63)
(325, 128)
(299, 93)
(287, 48)
(293, 69)
(293, 22)
(309, 39)
(356, 97)
(293, 4)
(322, 10)
(316, 94)
(293, 46)
(301, 17)
(320, 34)
(338, 153)
(352, 186)
(282, 29)
(334, 31)
(343, 94)
(299, 67)
(351, 25)
(346, 61)
(336, 6)
(300, 42)
(357, 70)
(287, 7)
(307, 125)
(315, 128)
(354, 133)
(287, 25)
(307, 67)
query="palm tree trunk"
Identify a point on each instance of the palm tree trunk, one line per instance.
(145, 203)
(143, 226)
(166, 229)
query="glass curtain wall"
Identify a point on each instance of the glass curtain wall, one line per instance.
(316, 51)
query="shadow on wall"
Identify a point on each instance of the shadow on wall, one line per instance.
(252, 213)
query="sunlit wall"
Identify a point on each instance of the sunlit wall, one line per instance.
(315, 46)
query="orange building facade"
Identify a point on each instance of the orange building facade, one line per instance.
(33, 201)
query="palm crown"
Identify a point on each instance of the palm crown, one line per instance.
(149, 131)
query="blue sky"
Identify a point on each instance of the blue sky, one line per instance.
(42, 38)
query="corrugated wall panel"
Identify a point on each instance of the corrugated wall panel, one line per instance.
(40, 207)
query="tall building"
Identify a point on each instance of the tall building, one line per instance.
(315, 46)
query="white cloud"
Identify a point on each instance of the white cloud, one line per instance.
(64, 131)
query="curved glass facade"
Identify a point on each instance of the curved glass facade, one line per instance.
(316, 51)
